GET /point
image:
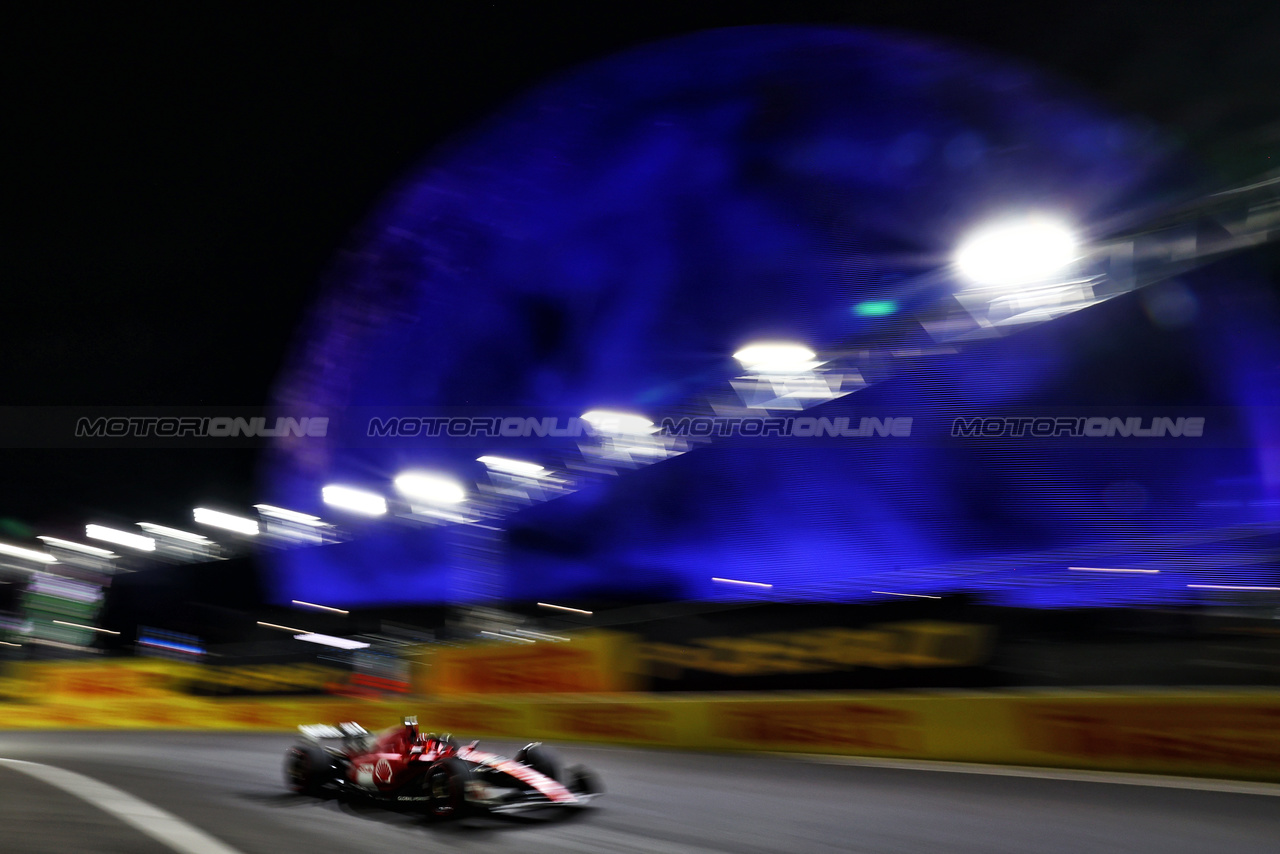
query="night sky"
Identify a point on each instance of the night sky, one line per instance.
(180, 176)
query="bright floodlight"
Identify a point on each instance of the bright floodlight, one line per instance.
(507, 466)
(26, 554)
(174, 534)
(217, 519)
(120, 538)
(430, 487)
(77, 547)
(1017, 252)
(619, 423)
(776, 357)
(354, 500)
(290, 515)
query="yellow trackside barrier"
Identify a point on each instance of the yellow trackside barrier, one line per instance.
(90, 682)
(595, 661)
(1193, 732)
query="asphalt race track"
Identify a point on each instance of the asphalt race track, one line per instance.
(229, 786)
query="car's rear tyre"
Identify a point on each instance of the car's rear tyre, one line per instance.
(540, 758)
(307, 769)
(446, 785)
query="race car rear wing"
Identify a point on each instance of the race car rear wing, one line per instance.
(316, 732)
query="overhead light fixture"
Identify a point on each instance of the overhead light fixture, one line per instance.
(431, 488)
(120, 538)
(777, 357)
(354, 500)
(174, 534)
(289, 515)
(77, 547)
(226, 521)
(1016, 252)
(27, 554)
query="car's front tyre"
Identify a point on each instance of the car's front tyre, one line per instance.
(446, 785)
(540, 758)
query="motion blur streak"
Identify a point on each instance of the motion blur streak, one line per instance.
(661, 802)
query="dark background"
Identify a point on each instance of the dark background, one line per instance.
(180, 175)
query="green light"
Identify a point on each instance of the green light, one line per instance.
(875, 308)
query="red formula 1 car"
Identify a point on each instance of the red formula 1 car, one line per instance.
(431, 772)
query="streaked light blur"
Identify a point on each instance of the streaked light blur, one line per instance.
(77, 547)
(26, 554)
(289, 515)
(619, 423)
(507, 466)
(435, 489)
(226, 521)
(173, 533)
(120, 538)
(354, 500)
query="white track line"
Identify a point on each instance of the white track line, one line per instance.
(1123, 778)
(153, 821)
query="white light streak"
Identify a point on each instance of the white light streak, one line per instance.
(174, 534)
(89, 628)
(1229, 587)
(319, 607)
(564, 608)
(284, 628)
(507, 466)
(290, 515)
(912, 595)
(354, 500)
(26, 554)
(330, 640)
(226, 521)
(743, 583)
(1107, 569)
(77, 547)
(507, 637)
(120, 538)
(540, 636)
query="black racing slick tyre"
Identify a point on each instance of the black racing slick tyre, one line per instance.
(583, 781)
(307, 769)
(540, 758)
(446, 784)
